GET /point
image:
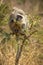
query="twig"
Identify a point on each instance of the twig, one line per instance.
(19, 51)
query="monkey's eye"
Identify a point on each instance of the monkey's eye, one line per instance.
(18, 18)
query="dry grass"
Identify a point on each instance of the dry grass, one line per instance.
(32, 53)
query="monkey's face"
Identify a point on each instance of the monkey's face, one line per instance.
(18, 18)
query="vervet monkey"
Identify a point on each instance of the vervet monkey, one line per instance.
(21, 18)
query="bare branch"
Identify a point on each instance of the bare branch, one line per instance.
(19, 50)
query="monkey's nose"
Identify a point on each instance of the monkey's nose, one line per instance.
(23, 25)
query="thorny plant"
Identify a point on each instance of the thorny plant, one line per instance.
(4, 16)
(7, 37)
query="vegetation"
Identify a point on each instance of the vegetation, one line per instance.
(31, 52)
(4, 14)
(21, 1)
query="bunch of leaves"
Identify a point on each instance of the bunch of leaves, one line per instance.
(5, 36)
(34, 20)
(4, 14)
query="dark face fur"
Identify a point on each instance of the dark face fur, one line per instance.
(13, 25)
(18, 18)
